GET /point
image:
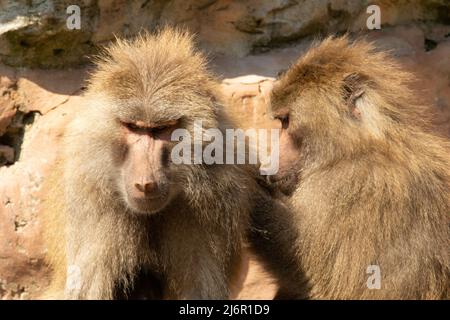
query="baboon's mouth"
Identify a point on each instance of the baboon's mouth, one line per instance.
(285, 184)
(149, 204)
(280, 180)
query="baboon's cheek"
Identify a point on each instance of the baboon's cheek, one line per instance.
(287, 178)
(289, 154)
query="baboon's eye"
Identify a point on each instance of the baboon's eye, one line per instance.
(285, 122)
(284, 119)
(131, 126)
(165, 129)
(161, 129)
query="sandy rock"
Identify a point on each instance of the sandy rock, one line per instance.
(7, 111)
(34, 33)
(6, 155)
(7, 104)
(35, 105)
(248, 99)
(44, 91)
(23, 273)
(38, 97)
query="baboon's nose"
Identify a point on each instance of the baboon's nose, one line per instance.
(148, 187)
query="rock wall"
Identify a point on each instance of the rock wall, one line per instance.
(250, 43)
(34, 33)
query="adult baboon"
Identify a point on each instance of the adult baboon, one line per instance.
(368, 184)
(119, 207)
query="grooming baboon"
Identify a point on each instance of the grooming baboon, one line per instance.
(119, 207)
(367, 182)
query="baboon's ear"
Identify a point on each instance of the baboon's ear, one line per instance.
(353, 89)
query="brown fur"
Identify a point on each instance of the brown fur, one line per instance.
(190, 249)
(372, 183)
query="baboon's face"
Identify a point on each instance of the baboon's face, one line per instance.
(311, 116)
(325, 114)
(286, 178)
(145, 171)
(141, 91)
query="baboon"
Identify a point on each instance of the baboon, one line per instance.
(119, 208)
(366, 180)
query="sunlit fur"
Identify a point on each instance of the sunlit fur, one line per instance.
(374, 182)
(193, 245)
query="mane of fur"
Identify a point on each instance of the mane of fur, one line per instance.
(369, 194)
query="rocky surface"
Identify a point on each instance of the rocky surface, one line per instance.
(38, 105)
(35, 33)
(35, 103)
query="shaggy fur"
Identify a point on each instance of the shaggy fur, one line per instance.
(190, 249)
(373, 182)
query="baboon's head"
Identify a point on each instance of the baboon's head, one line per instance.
(339, 101)
(145, 89)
